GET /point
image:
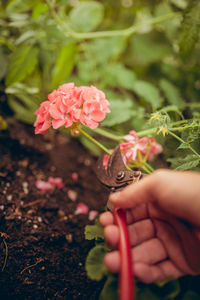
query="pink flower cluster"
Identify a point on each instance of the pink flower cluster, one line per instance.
(134, 146)
(70, 104)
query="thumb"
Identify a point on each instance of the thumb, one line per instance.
(176, 192)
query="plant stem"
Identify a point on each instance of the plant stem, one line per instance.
(148, 166)
(109, 135)
(182, 141)
(6, 256)
(94, 141)
(145, 169)
(103, 34)
(152, 131)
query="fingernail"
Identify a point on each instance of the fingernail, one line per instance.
(115, 196)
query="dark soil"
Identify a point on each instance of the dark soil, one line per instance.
(46, 244)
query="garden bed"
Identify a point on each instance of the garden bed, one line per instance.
(46, 244)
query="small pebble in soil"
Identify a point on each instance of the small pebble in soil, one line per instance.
(69, 237)
(18, 173)
(65, 218)
(8, 184)
(72, 195)
(87, 162)
(1, 207)
(75, 176)
(49, 146)
(40, 219)
(80, 264)
(61, 213)
(9, 197)
(35, 226)
(53, 168)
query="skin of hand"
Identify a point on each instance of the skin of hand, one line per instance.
(162, 211)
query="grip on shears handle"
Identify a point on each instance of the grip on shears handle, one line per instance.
(126, 280)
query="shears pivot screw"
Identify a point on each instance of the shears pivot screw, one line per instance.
(120, 175)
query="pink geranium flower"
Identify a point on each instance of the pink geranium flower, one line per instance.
(70, 104)
(135, 146)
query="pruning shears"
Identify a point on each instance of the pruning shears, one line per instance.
(115, 178)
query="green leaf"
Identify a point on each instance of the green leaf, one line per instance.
(22, 63)
(149, 93)
(94, 263)
(190, 295)
(103, 50)
(172, 93)
(190, 27)
(64, 65)
(146, 293)
(24, 109)
(110, 289)
(169, 288)
(184, 163)
(121, 111)
(94, 231)
(87, 16)
(39, 9)
(3, 64)
(118, 75)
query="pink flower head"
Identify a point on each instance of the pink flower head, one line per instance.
(135, 146)
(42, 122)
(70, 104)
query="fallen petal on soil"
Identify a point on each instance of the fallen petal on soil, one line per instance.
(81, 209)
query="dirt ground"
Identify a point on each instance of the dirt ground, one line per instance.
(45, 239)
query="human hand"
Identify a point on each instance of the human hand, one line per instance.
(161, 211)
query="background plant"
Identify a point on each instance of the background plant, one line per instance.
(142, 54)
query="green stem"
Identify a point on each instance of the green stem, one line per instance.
(182, 141)
(148, 166)
(145, 169)
(152, 131)
(6, 256)
(109, 135)
(103, 34)
(94, 141)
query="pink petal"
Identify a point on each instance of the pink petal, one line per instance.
(58, 123)
(92, 214)
(44, 186)
(56, 181)
(81, 209)
(72, 195)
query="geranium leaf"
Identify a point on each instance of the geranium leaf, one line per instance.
(87, 16)
(115, 117)
(94, 263)
(22, 63)
(172, 93)
(94, 231)
(149, 93)
(110, 289)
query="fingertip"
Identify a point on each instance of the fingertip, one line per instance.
(112, 261)
(111, 233)
(106, 219)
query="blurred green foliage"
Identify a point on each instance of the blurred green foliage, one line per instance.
(144, 54)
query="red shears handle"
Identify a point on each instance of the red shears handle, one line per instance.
(126, 280)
